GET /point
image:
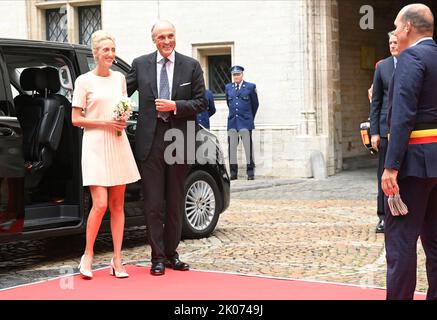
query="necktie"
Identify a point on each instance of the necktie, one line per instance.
(164, 89)
(237, 87)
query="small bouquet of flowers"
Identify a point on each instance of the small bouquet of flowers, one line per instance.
(122, 111)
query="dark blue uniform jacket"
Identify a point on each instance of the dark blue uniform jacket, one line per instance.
(412, 103)
(242, 105)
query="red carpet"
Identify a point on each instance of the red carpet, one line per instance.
(196, 285)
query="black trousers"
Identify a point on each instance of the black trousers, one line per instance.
(163, 189)
(234, 138)
(401, 235)
(381, 157)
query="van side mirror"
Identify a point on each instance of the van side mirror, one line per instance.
(65, 78)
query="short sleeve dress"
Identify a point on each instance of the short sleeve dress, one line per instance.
(107, 159)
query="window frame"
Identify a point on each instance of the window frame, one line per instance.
(201, 52)
(3, 77)
(37, 9)
(47, 11)
(79, 10)
(218, 96)
(4, 97)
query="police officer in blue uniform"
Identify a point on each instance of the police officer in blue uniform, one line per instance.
(242, 100)
(203, 117)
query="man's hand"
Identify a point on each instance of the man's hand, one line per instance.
(165, 105)
(389, 182)
(375, 140)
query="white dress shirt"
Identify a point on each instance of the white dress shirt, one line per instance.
(239, 85)
(423, 39)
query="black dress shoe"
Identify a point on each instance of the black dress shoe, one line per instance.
(380, 227)
(234, 177)
(250, 178)
(177, 264)
(157, 269)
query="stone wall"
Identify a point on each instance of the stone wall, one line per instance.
(13, 23)
(269, 39)
(355, 80)
(304, 56)
(265, 37)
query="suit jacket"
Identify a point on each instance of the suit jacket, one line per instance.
(203, 117)
(242, 105)
(188, 90)
(379, 106)
(413, 102)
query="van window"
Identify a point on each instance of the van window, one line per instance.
(18, 62)
(14, 91)
(4, 103)
(91, 62)
(134, 98)
(39, 92)
(2, 93)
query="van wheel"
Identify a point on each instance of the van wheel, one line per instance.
(202, 205)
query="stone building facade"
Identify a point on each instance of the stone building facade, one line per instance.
(312, 62)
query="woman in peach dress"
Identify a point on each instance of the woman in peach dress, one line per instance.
(107, 160)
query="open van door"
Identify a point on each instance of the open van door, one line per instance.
(11, 165)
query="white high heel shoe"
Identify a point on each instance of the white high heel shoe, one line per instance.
(87, 274)
(117, 274)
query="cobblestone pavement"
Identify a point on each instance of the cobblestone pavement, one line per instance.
(305, 229)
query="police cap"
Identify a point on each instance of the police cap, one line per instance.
(237, 69)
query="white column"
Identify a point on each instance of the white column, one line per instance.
(321, 85)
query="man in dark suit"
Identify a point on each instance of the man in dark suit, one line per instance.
(378, 116)
(171, 93)
(242, 100)
(203, 117)
(411, 161)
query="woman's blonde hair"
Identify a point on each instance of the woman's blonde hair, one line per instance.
(98, 37)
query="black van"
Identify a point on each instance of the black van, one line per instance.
(41, 192)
